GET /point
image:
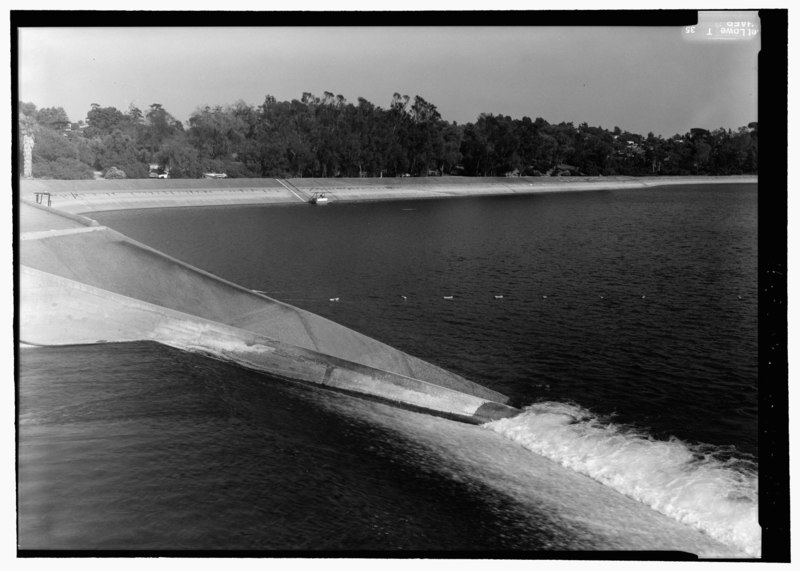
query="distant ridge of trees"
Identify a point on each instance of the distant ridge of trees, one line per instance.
(329, 137)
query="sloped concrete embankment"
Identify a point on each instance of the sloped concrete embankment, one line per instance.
(409, 188)
(85, 196)
(85, 283)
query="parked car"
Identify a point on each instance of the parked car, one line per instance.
(157, 171)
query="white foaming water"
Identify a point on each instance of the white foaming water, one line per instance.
(685, 482)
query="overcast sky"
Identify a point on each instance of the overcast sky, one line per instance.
(640, 79)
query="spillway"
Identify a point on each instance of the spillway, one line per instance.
(81, 282)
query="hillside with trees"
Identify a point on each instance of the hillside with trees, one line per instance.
(330, 137)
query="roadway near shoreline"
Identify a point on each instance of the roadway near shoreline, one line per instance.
(86, 196)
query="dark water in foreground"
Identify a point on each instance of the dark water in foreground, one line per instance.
(627, 326)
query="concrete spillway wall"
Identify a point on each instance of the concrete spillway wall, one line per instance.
(84, 283)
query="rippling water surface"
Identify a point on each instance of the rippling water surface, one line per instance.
(626, 328)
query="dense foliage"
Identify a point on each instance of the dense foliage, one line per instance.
(329, 137)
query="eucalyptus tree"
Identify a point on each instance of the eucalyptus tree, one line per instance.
(53, 118)
(161, 125)
(102, 121)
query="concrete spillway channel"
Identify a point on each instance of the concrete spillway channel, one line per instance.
(81, 282)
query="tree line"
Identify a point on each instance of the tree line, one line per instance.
(330, 137)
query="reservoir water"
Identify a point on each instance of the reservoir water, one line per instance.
(623, 322)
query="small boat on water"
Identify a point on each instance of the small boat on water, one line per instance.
(319, 198)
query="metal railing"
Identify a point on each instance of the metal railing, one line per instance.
(40, 197)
